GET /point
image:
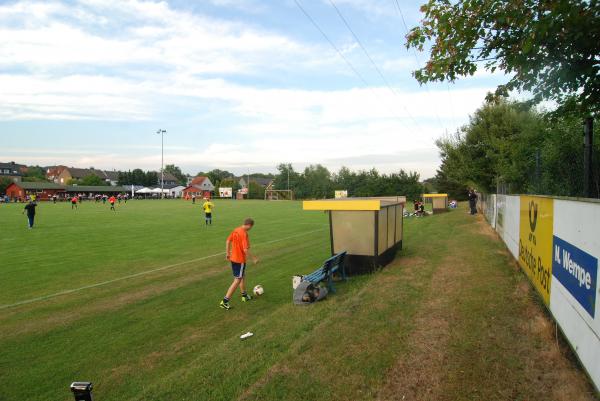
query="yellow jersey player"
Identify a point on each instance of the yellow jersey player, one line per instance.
(208, 207)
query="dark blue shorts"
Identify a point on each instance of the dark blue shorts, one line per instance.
(208, 215)
(238, 269)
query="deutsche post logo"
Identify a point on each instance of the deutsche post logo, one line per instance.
(533, 215)
(536, 225)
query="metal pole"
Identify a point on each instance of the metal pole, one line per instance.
(162, 133)
(288, 178)
(537, 171)
(588, 135)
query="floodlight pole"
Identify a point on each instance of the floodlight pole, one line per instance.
(162, 133)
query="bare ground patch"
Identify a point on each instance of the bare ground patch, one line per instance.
(482, 227)
(419, 374)
(554, 367)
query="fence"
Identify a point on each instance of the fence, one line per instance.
(557, 244)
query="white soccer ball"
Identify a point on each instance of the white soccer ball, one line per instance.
(258, 290)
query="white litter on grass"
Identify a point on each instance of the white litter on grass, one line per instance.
(246, 335)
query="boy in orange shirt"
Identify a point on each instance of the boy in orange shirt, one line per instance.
(112, 200)
(237, 249)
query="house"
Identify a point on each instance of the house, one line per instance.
(199, 186)
(96, 190)
(176, 192)
(53, 172)
(72, 173)
(168, 179)
(111, 177)
(203, 182)
(266, 183)
(12, 171)
(42, 190)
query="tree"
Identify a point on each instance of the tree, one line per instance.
(317, 182)
(344, 180)
(4, 183)
(34, 174)
(125, 178)
(280, 180)
(138, 177)
(216, 175)
(550, 48)
(151, 179)
(229, 183)
(255, 190)
(510, 144)
(93, 180)
(177, 173)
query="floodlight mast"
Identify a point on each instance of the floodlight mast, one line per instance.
(162, 133)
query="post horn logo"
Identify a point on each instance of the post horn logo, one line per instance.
(533, 215)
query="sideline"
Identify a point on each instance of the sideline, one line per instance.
(71, 291)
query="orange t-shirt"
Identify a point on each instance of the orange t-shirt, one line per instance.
(112, 199)
(74, 199)
(239, 243)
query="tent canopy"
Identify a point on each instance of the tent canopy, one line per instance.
(143, 191)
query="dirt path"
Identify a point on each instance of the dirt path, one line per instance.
(481, 334)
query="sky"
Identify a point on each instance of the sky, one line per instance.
(241, 85)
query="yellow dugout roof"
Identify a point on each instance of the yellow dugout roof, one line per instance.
(435, 195)
(347, 204)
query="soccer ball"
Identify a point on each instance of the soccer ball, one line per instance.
(258, 290)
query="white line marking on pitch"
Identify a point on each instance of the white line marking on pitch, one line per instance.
(86, 287)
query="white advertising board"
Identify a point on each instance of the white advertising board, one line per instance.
(341, 194)
(574, 295)
(225, 192)
(510, 232)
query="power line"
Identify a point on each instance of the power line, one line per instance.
(371, 59)
(364, 81)
(331, 42)
(399, 10)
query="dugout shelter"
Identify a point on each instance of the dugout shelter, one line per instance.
(438, 202)
(368, 229)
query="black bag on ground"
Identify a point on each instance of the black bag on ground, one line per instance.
(307, 293)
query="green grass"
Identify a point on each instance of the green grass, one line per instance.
(159, 335)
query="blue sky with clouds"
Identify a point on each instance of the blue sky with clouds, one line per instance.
(238, 84)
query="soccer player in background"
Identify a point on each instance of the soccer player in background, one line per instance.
(208, 207)
(237, 249)
(112, 200)
(30, 209)
(74, 200)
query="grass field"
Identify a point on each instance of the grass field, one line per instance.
(129, 300)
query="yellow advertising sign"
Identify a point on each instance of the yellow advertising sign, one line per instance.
(535, 242)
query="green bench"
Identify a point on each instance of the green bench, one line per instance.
(326, 271)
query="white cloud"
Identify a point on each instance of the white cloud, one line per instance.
(132, 60)
(151, 33)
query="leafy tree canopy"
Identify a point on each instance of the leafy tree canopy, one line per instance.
(551, 48)
(508, 144)
(177, 173)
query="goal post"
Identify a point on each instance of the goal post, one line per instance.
(279, 194)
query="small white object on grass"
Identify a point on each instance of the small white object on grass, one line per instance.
(246, 335)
